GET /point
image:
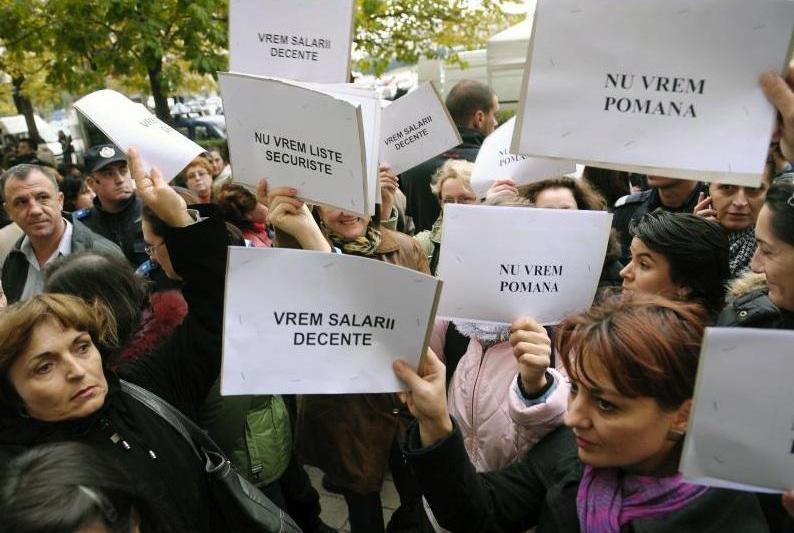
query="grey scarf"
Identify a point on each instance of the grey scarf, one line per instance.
(742, 247)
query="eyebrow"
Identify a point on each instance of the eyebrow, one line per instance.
(49, 353)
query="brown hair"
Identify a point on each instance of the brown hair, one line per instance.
(648, 346)
(200, 161)
(236, 203)
(18, 321)
(586, 197)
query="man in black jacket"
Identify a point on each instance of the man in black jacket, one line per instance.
(473, 106)
(116, 214)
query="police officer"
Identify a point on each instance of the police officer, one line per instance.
(678, 196)
(116, 214)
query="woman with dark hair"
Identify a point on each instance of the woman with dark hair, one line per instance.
(240, 207)
(611, 184)
(564, 193)
(67, 487)
(352, 437)
(632, 363)
(76, 193)
(679, 256)
(56, 383)
(766, 299)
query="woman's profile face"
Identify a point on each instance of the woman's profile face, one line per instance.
(649, 272)
(347, 225)
(775, 258)
(737, 207)
(613, 430)
(556, 198)
(59, 376)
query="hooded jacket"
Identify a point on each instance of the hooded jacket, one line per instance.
(749, 306)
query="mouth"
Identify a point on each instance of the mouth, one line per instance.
(85, 393)
(584, 443)
(349, 221)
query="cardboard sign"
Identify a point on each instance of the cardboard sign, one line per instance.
(415, 128)
(128, 123)
(740, 432)
(495, 161)
(298, 137)
(664, 87)
(501, 263)
(307, 40)
(340, 338)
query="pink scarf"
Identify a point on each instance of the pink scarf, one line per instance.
(608, 498)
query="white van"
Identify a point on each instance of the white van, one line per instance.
(14, 127)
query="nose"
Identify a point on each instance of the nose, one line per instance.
(757, 264)
(626, 272)
(74, 369)
(740, 199)
(577, 416)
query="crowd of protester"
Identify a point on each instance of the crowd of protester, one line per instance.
(111, 275)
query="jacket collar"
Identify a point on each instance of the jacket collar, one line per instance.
(388, 242)
(470, 136)
(128, 203)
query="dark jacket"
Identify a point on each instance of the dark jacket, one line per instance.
(540, 490)
(630, 208)
(15, 267)
(422, 205)
(181, 371)
(124, 228)
(749, 306)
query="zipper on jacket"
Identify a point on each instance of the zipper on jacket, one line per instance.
(474, 401)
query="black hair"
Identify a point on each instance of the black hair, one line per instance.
(92, 275)
(466, 98)
(780, 201)
(59, 488)
(71, 186)
(696, 249)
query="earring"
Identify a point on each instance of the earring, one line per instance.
(675, 436)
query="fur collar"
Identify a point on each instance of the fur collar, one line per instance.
(745, 284)
(166, 311)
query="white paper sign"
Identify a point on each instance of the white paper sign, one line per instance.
(307, 40)
(340, 338)
(128, 123)
(741, 430)
(415, 128)
(664, 87)
(544, 263)
(298, 137)
(495, 161)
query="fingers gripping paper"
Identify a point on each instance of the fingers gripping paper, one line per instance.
(297, 137)
(664, 87)
(341, 337)
(128, 123)
(501, 263)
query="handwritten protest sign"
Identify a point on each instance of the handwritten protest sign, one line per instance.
(415, 128)
(297, 137)
(128, 123)
(341, 339)
(544, 263)
(658, 89)
(307, 40)
(740, 432)
(495, 161)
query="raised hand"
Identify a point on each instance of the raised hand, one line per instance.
(292, 216)
(532, 349)
(389, 183)
(155, 192)
(501, 189)
(427, 397)
(780, 93)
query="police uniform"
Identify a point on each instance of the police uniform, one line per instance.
(630, 208)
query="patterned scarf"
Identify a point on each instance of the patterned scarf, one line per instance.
(742, 247)
(609, 499)
(365, 245)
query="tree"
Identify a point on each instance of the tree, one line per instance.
(406, 30)
(134, 38)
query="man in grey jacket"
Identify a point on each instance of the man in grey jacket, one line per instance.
(33, 201)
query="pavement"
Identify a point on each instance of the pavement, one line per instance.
(334, 508)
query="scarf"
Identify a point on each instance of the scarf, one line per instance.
(742, 247)
(365, 245)
(486, 333)
(608, 499)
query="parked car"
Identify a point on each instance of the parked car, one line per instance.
(206, 131)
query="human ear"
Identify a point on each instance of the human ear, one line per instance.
(683, 292)
(479, 119)
(680, 420)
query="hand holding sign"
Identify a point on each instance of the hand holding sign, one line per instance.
(501, 190)
(781, 95)
(427, 397)
(291, 216)
(532, 348)
(157, 194)
(389, 182)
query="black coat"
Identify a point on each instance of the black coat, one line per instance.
(421, 204)
(181, 371)
(123, 228)
(540, 490)
(755, 310)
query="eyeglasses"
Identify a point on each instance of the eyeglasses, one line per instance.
(152, 247)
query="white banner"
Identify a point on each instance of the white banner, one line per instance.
(298, 137)
(415, 128)
(664, 87)
(501, 263)
(340, 337)
(128, 123)
(495, 161)
(306, 40)
(740, 432)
